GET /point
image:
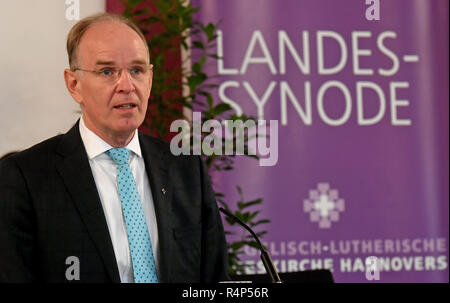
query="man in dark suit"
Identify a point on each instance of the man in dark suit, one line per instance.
(71, 210)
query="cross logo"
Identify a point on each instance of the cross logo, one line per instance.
(324, 205)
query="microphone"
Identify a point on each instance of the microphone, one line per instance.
(265, 257)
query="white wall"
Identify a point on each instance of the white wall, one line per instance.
(34, 102)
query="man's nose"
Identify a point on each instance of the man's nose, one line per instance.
(124, 82)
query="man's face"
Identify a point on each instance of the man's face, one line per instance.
(111, 109)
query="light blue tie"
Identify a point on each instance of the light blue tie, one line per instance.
(138, 237)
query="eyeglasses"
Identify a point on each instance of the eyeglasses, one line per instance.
(112, 74)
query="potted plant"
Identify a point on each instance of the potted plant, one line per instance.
(180, 82)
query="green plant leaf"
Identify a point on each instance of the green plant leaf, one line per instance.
(209, 31)
(134, 3)
(263, 221)
(196, 80)
(237, 245)
(198, 44)
(197, 67)
(239, 189)
(243, 205)
(221, 108)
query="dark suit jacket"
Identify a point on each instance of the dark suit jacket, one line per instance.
(50, 210)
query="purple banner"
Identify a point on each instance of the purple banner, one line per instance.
(360, 93)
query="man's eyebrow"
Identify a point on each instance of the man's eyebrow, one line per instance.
(100, 62)
(138, 61)
(142, 62)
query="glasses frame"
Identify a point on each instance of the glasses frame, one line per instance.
(98, 72)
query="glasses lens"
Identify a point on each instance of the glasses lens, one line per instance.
(136, 73)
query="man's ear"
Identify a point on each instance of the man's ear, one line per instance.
(73, 85)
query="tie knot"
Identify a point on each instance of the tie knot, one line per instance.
(119, 155)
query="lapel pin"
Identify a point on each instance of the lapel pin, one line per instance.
(163, 191)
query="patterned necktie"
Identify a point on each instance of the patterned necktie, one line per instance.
(138, 237)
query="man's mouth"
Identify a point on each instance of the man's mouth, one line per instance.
(125, 106)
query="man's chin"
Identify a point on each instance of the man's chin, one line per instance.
(125, 130)
(125, 127)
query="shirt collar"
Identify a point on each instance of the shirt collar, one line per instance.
(95, 145)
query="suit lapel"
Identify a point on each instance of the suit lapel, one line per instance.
(157, 166)
(76, 172)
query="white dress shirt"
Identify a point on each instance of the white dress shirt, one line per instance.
(104, 170)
